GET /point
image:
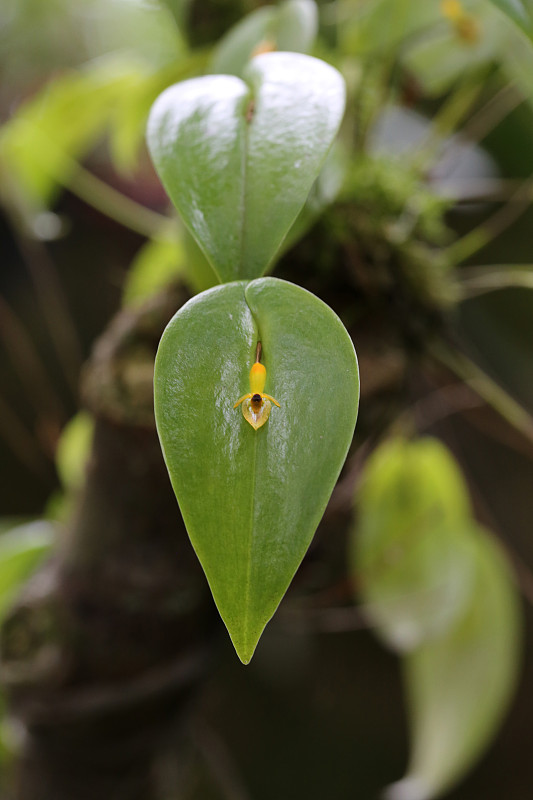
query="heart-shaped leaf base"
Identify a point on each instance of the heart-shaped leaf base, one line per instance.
(238, 157)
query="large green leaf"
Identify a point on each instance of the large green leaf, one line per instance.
(413, 549)
(238, 158)
(459, 685)
(252, 499)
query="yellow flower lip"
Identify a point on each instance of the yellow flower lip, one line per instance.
(256, 405)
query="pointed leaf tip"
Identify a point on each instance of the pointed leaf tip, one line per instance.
(252, 499)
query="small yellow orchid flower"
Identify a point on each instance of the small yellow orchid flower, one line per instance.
(256, 405)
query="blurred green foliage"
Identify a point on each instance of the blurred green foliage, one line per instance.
(79, 80)
(438, 589)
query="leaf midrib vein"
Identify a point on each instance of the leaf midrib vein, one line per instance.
(248, 580)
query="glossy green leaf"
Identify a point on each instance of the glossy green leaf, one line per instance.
(459, 685)
(251, 500)
(291, 26)
(238, 158)
(413, 553)
(21, 551)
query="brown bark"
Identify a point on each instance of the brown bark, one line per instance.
(102, 652)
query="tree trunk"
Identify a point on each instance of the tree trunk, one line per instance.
(102, 653)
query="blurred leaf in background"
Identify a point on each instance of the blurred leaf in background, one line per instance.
(290, 26)
(21, 550)
(40, 146)
(414, 555)
(459, 686)
(157, 264)
(439, 591)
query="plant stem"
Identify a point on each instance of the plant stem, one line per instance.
(478, 281)
(114, 204)
(492, 113)
(480, 236)
(490, 391)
